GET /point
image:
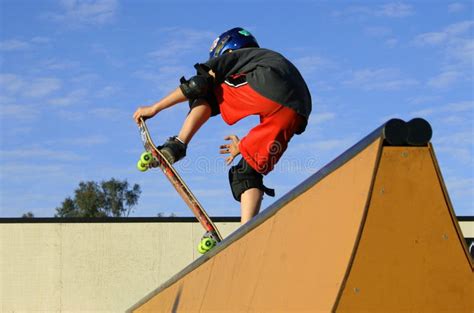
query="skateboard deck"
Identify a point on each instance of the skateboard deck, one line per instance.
(151, 158)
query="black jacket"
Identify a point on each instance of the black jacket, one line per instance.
(268, 73)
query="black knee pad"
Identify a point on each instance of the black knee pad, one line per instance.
(243, 177)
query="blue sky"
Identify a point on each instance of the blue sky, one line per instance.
(73, 72)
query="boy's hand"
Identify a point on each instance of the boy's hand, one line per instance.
(232, 148)
(145, 112)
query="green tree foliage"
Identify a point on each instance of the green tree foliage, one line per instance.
(28, 215)
(111, 198)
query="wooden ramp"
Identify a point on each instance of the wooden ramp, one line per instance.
(373, 231)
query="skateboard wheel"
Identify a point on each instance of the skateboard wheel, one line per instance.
(141, 166)
(146, 157)
(201, 249)
(207, 244)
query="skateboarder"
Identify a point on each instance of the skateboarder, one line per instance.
(241, 79)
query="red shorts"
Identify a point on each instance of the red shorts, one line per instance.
(263, 146)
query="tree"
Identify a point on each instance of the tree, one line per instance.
(162, 214)
(28, 215)
(109, 198)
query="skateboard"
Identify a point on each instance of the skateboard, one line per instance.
(152, 158)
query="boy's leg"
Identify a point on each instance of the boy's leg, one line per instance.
(250, 202)
(198, 115)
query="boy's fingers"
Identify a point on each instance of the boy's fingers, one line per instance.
(232, 137)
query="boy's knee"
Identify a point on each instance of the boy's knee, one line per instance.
(201, 106)
(202, 103)
(243, 177)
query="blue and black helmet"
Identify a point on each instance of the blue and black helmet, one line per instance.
(233, 39)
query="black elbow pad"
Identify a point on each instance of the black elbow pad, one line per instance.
(196, 87)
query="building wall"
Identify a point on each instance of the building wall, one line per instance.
(91, 267)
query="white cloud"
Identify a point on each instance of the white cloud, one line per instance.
(462, 186)
(312, 63)
(331, 144)
(111, 113)
(379, 79)
(423, 99)
(54, 64)
(108, 55)
(85, 12)
(72, 97)
(328, 145)
(41, 87)
(18, 111)
(448, 33)
(164, 78)
(13, 45)
(457, 50)
(378, 31)
(424, 112)
(390, 10)
(396, 10)
(107, 91)
(391, 43)
(459, 153)
(319, 118)
(10, 83)
(462, 50)
(462, 138)
(455, 7)
(40, 40)
(444, 80)
(180, 41)
(450, 112)
(40, 153)
(86, 141)
(462, 106)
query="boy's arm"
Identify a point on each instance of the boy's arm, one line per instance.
(171, 99)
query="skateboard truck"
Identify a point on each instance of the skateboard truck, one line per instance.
(208, 241)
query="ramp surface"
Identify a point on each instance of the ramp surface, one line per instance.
(373, 231)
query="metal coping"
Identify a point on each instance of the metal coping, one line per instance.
(92, 220)
(270, 211)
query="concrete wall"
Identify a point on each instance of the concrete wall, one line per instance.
(467, 228)
(91, 267)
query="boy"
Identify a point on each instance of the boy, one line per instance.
(241, 79)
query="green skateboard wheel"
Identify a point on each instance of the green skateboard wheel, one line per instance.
(201, 249)
(141, 166)
(207, 244)
(146, 157)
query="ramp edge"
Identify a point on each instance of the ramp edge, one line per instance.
(361, 228)
(447, 199)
